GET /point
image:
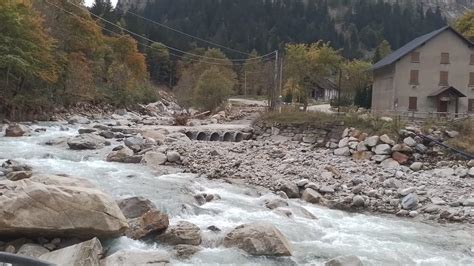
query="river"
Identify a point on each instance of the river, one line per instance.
(376, 240)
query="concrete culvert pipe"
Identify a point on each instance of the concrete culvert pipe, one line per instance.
(215, 137)
(238, 137)
(228, 136)
(201, 136)
(190, 135)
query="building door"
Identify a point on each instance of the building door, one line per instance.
(443, 106)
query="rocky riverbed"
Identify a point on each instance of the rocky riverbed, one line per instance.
(272, 190)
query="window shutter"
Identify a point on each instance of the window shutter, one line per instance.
(412, 103)
(415, 57)
(444, 58)
(443, 78)
(414, 77)
(471, 79)
(472, 59)
(470, 106)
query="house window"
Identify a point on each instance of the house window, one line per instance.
(415, 57)
(470, 106)
(471, 79)
(443, 78)
(414, 77)
(472, 59)
(412, 104)
(444, 58)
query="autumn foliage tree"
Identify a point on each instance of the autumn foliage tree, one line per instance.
(465, 25)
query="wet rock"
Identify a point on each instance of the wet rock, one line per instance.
(32, 208)
(16, 130)
(173, 156)
(19, 175)
(86, 142)
(120, 154)
(186, 251)
(383, 149)
(344, 261)
(87, 130)
(154, 158)
(135, 206)
(275, 203)
(259, 239)
(13, 166)
(78, 120)
(149, 224)
(183, 232)
(345, 151)
(85, 253)
(290, 189)
(311, 196)
(137, 258)
(410, 201)
(56, 180)
(32, 250)
(213, 228)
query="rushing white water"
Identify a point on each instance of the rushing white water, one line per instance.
(376, 240)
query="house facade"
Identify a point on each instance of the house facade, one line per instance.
(432, 74)
(324, 90)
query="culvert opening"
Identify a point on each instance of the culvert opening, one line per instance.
(201, 136)
(215, 136)
(239, 137)
(190, 135)
(228, 136)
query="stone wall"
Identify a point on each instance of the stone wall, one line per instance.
(311, 134)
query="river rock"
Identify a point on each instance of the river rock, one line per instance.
(390, 164)
(343, 143)
(383, 149)
(139, 143)
(358, 201)
(154, 158)
(120, 154)
(469, 202)
(471, 172)
(13, 165)
(402, 148)
(16, 130)
(275, 203)
(149, 224)
(345, 151)
(387, 140)
(410, 201)
(344, 261)
(290, 188)
(137, 258)
(56, 180)
(311, 196)
(82, 254)
(78, 120)
(371, 141)
(32, 208)
(183, 232)
(86, 142)
(416, 166)
(19, 175)
(409, 141)
(470, 163)
(186, 251)
(32, 250)
(400, 157)
(135, 207)
(173, 156)
(259, 239)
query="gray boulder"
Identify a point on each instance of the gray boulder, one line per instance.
(152, 158)
(86, 142)
(137, 258)
(409, 141)
(173, 156)
(311, 196)
(345, 151)
(383, 149)
(82, 254)
(135, 206)
(149, 224)
(344, 261)
(16, 130)
(371, 141)
(32, 250)
(290, 188)
(410, 201)
(120, 154)
(183, 232)
(259, 239)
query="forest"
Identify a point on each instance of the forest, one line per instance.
(56, 54)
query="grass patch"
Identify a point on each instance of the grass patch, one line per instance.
(465, 140)
(372, 125)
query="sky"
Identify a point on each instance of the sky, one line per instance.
(89, 2)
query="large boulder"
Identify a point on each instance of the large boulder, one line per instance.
(139, 143)
(312, 196)
(152, 158)
(290, 188)
(32, 250)
(82, 254)
(410, 201)
(260, 239)
(344, 261)
(149, 224)
(16, 130)
(86, 142)
(19, 175)
(383, 149)
(137, 258)
(120, 154)
(32, 208)
(135, 207)
(183, 232)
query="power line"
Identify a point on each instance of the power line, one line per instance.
(181, 32)
(169, 47)
(149, 46)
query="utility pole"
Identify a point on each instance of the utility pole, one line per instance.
(281, 77)
(245, 84)
(275, 83)
(339, 91)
